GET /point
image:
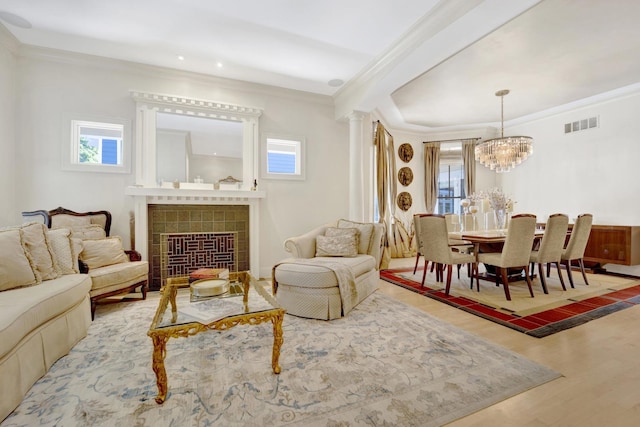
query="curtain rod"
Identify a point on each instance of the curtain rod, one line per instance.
(385, 129)
(451, 140)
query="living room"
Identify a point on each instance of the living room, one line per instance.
(590, 171)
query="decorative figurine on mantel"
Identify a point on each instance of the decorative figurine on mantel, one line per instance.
(229, 183)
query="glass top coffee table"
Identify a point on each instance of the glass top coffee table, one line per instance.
(181, 315)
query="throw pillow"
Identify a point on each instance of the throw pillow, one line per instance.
(351, 232)
(366, 231)
(102, 252)
(338, 246)
(87, 232)
(64, 251)
(15, 266)
(69, 221)
(38, 246)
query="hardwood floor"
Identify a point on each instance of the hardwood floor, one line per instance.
(599, 361)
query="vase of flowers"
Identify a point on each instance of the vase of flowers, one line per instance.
(499, 203)
(500, 216)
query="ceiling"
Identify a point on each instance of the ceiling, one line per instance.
(422, 64)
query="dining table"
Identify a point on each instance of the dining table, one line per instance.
(491, 241)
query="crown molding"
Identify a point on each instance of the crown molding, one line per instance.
(86, 60)
(428, 26)
(195, 106)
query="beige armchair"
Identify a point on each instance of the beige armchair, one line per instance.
(113, 270)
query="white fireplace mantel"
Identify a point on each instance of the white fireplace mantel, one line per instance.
(145, 196)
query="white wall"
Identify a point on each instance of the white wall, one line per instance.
(595, 170)
(7, 127)
(53, 84)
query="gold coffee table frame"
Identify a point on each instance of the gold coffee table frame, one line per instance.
(160, 334)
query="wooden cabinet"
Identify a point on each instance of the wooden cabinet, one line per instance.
(616, 244)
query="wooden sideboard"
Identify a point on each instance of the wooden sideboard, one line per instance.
(611, 244)
(615, 244)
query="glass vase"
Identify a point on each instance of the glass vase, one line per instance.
(500, 218)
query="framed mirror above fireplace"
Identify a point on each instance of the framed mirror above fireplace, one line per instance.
(151, 107)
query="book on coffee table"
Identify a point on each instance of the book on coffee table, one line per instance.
(209, 311)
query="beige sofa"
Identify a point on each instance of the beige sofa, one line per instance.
(327, 275)
(44, 308)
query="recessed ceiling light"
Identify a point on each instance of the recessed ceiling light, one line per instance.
(181, 58)
(15, 20)
(336, 82)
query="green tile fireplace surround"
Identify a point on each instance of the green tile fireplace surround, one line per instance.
(194, 219)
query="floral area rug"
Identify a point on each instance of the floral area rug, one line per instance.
(543, 315)
(384, 364)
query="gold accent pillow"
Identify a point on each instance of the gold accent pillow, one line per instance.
(102, 252)
(87, 232)
(351, 232)
(364, 237)
(336, 246)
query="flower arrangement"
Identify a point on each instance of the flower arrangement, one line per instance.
(498, 200)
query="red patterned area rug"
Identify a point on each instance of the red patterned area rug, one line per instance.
(540, 316)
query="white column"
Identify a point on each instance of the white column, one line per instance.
(356, 174)
(141, 226)
(250, 151)
(146, 146)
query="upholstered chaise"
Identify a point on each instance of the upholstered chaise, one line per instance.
(324, 281)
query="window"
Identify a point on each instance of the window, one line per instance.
(283, 158)
(450, 179)
(97, 146)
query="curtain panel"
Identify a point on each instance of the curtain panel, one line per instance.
(431, 169)
(469, 165)
(386, 186)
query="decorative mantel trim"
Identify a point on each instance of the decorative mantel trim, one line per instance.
(145, 196)
(196, 107)
(178, 195)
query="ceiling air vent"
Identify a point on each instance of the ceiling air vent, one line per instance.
(590, 123)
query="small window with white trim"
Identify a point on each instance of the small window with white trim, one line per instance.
(283, 158)
(97, 146)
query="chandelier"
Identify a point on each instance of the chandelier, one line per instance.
(504, 153)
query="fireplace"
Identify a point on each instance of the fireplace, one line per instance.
(189, 225)
(180, 210)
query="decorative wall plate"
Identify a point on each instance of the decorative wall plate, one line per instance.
(405, 176)
(404, 201)
(405, 152)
